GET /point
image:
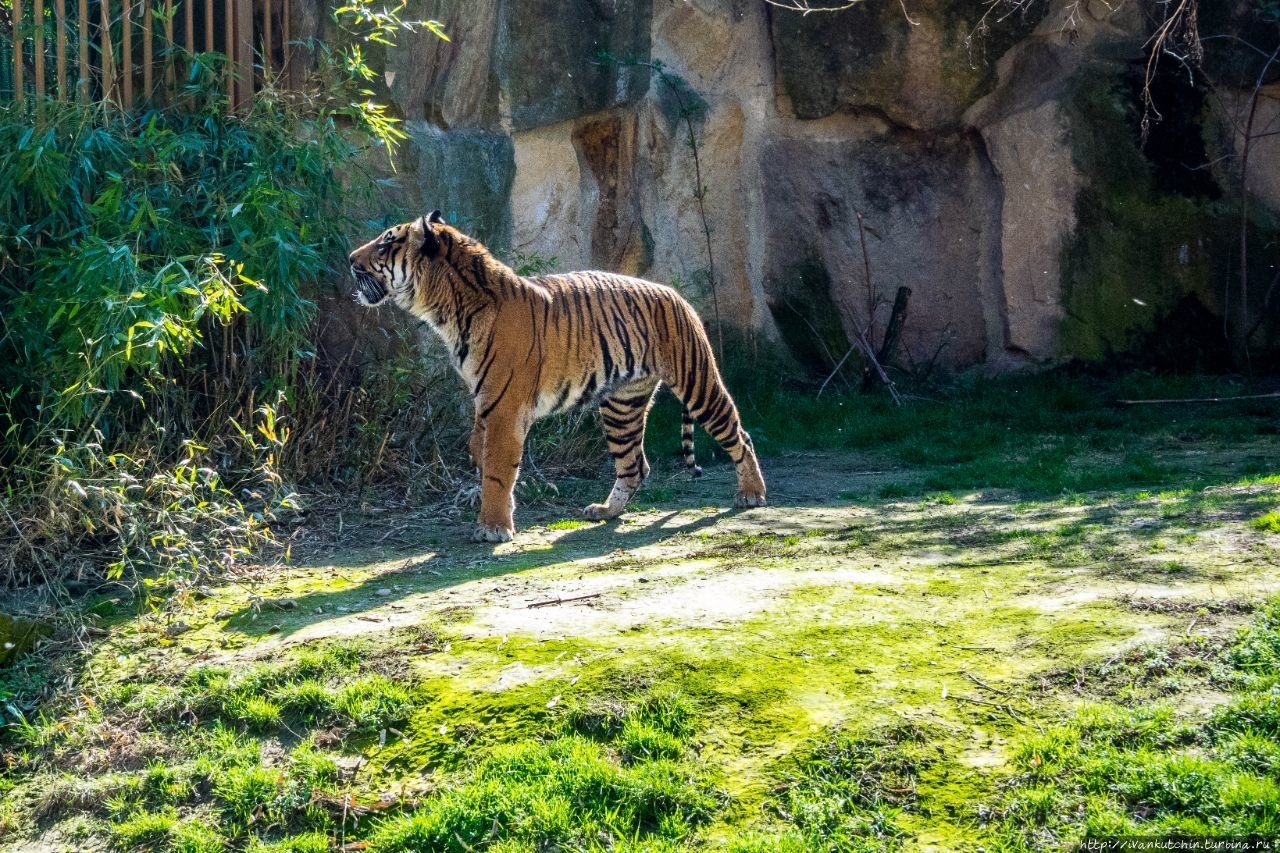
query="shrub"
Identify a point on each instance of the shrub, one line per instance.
(159, 274)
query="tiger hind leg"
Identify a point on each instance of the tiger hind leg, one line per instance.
(708, 402)
(624, 415)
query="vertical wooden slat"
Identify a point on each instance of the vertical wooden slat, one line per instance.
(168, 45)
(37, 46)
(60, 15)
(266, 39)
(188, 9)
(285, 47)
(148, 55)
(126, 55)
(229, 44)
(106, 62)
(208, 26)
(83, 44)
(244, 52)
(17, 51)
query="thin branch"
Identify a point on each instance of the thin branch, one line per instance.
(700, 192)
(875, 363)
(832, 374)
(1272, 395)
(804, 7)
(985, 686)
(998, 706)
(1244, 201)
(817, 336)
(554, 601)
(1180, 29)
(999, 11)
(1266, 303)
(1231, 37)
(866, 271)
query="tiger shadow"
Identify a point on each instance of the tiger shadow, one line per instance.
(454, 565)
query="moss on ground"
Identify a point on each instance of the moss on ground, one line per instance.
(843, 669)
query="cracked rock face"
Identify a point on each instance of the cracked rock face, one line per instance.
(546, 127)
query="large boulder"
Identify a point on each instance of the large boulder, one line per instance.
(552, 211)
(998, 169)
(920, 67)
(1038, 182)
(930, 213)
(449, 83)
(720, 51)
(467, 174)
(559, 59)
(521, 65)
(1025, 135)
(1028, 129)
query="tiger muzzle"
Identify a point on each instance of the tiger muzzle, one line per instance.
(369, 289)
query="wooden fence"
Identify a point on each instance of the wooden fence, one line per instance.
(138, 52)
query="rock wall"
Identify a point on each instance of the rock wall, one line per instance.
(559, 132)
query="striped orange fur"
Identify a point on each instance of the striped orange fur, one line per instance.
(530, 346)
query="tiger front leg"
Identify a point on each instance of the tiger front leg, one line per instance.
(477, 441)
(500, 450)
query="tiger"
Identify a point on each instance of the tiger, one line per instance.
(531, 346)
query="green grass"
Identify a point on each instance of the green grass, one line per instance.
(612, 774)
(817, 720)
(1156, 770)
(1050, 433)
(1269, 523)
(569, 524)
(846, 792)
(565, 793)
(374, 702)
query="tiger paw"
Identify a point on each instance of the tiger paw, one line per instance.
(485, 533)
(599, 512)
(746, 499)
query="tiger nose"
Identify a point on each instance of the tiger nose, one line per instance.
(351, 258)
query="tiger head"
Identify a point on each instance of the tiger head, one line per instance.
(386, 266)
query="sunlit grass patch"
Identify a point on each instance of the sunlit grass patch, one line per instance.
(257, 712)
(565, 793)
(144, 829)
(847, 791)
(374, 702)
(661, 732)
(309, 700)
(307, 842)
(570, 524)
(243, 793)
(1155, 769)
(1269, 523)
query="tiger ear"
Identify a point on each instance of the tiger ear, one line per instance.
(430, 242)
(435, 216)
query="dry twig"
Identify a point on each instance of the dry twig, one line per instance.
(552, 601)
(997, 705)
(1272, 395)
(804, 7)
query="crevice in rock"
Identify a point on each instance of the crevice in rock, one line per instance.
(991, 260)
(1175, 144)
(606, 145)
